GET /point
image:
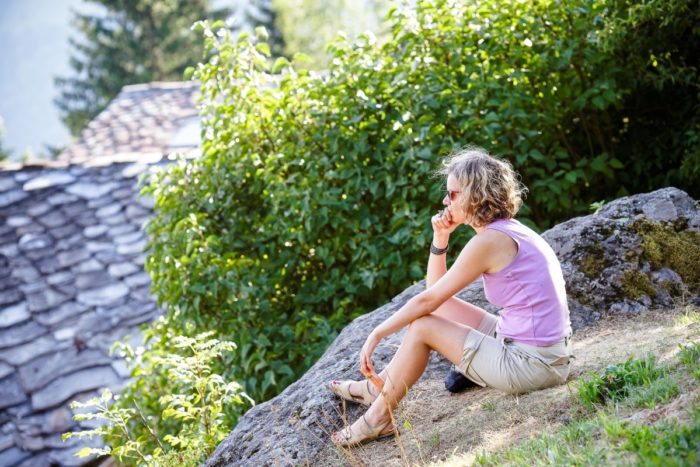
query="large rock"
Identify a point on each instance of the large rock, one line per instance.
(636, 253)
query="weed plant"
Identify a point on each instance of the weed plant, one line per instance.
(690, 357)
(616, 381)
(659, 391)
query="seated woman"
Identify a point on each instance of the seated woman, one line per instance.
(526, 347)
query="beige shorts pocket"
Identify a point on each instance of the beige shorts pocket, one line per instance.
(527, 372)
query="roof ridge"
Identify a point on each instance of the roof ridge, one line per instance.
(155, 85)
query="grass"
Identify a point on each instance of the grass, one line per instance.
(606, 437)
(554, 426)
(659, 391)
(690, 315)
(616, 382)
(488, 405)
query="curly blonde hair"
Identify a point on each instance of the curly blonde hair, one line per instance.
(490, 188)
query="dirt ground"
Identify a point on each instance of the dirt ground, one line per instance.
(437, 425)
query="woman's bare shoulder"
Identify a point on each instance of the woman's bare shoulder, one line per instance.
(492, 238)
(498, 248)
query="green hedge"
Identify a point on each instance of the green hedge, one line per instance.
(311, 203)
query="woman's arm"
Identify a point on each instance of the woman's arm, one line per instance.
(475, 258)
(437, 264)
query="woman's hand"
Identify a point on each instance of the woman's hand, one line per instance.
(443, 225)
(366, 365)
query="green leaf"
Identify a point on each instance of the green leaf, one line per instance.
(280, 64)
(299, 57)
(261, 33)
(263, 48)
(84, 452)
(616, 164)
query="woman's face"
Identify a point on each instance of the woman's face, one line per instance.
(451, 200)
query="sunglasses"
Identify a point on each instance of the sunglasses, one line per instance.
(451, 194)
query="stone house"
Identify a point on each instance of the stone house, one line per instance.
(72, 279)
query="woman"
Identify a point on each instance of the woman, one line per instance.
(526, 347)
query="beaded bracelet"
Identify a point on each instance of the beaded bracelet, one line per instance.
(438, 251)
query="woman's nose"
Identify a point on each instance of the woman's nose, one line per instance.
(446, 200)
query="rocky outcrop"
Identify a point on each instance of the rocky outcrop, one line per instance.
(636, 253)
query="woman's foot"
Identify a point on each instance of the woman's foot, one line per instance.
(361, 432)
(361, 392)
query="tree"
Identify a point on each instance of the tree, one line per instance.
(309, 25)
(254, 13)
(132, 41)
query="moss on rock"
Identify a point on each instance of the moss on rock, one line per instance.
(594, 261)
(636, 284)
(672, 288)
(672, 246)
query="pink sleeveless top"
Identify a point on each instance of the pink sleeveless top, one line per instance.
(530, 290)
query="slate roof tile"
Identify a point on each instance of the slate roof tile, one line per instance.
(72, 240)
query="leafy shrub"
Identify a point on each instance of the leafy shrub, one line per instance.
(658, 131)
(310, 204)
(617, 380)
(177, 411)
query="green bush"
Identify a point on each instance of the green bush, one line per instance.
(311, 202)
(176, 410)
(657, 134)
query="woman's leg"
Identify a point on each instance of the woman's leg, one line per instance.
(454, 309)
(458, 310)
(425, 334)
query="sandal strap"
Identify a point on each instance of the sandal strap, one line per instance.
(367, 392)
(373, 431)
(342, 389)
(366, 433)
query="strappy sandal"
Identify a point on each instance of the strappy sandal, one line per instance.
(342, 390)
(367, 433)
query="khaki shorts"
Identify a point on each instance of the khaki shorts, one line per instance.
(501, 363)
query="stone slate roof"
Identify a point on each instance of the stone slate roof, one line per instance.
(71, 283)
(72, 280)
(142, 118)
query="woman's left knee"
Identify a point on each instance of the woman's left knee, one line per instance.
(419, 327)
